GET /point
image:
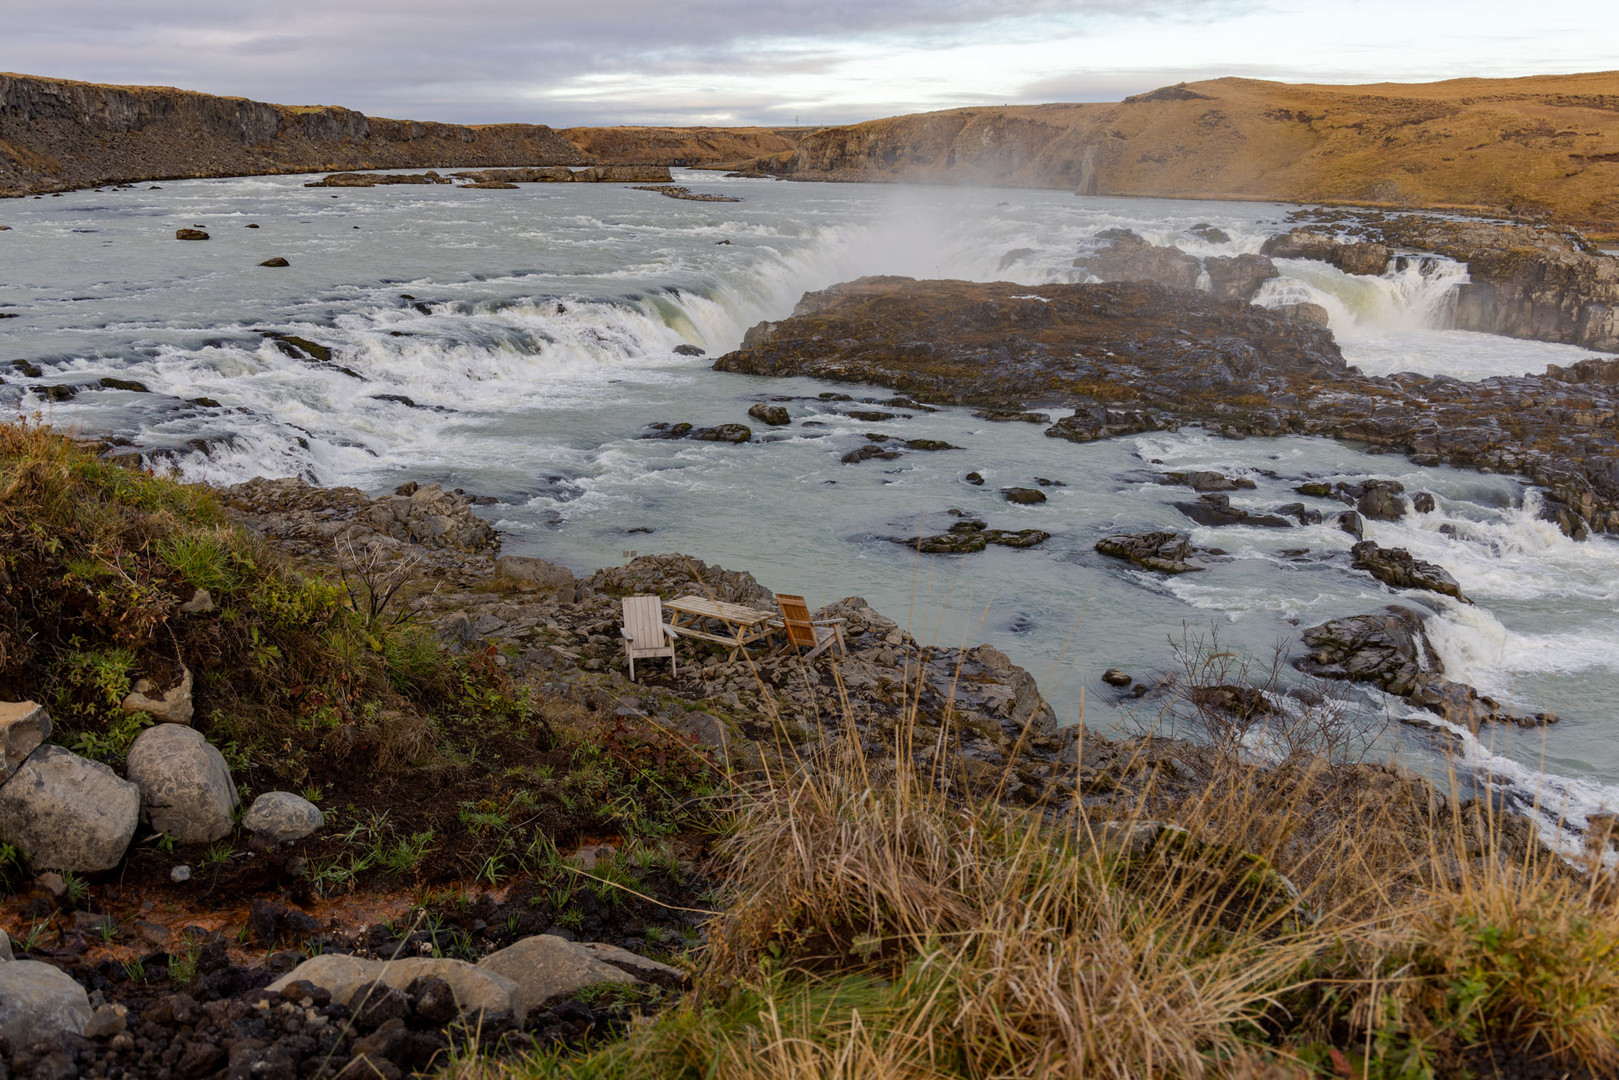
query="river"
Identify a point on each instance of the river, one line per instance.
(517, 343)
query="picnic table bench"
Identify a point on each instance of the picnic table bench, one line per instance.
(742, 625)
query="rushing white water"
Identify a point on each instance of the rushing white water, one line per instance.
(533, 334)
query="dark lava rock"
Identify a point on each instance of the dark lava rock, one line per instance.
(1168, 552)
(1211, 481)
(868, 452)
(374, 1004)
(1214, 510)
(1396, 567)
(1204, 231)
(299, 348)
(970, 535)
(689, 350)
(1390, 649)
(1238, 277)
(1023, 496)
(190, 234)
(1013, 416)
(773, 415)
(1381, 500)
(277, 261)
(728, 433)
(1125, 256)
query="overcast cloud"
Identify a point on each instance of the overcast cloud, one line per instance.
(773, 62)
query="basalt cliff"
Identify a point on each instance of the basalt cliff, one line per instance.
(1538, 147)
(57, 135)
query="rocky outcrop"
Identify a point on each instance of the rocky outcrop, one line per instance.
(1165, 552)
(419, 521)
(1214, 509)
(1139, 357)
(1524, 281)
(66, 813)
(1125, 256)
(186, 789)
(1238, 277)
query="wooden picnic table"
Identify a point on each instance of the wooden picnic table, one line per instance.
(745, 625)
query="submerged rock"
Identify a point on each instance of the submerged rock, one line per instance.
(1215, 509)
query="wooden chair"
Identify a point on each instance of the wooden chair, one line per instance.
(645, 633)
(816, 635)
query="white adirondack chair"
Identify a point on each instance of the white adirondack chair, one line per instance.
(645, 633)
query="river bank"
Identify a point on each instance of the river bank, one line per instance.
(563, 801)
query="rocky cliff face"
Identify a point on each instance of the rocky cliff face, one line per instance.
(56, 135)
(1543, 146)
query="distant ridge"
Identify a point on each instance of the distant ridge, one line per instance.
(1543, 147)
(57, 135)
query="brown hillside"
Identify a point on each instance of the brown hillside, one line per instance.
(1543, 146)
(56, 134)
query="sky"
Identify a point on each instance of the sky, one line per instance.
(817, 62)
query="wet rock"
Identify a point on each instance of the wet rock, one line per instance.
(869, 416)
(282, 817)
(66, 813)
(774, 415)
(1211, 481)
(190, 234)
(277, 261)
(1003, 416)
(1023, 496)
(1167, 552)
(1209, 234)
(39, 1005)
(298, 348)
(1389, 649)
(547, 967)
(1396, 567)
(1090, 424)
(1567, 520)
(24, 725)
(1380, 499)
(30, 370)
(1021, 538)
(974, 479)
(869, 452)
(1307, 313)
(1422, 502)
(727, 433)
(1125, 256)
(111, 383)
(171, 706)
(186, 788)
(688, 350)
(929, 445)
(1238, 277)
(1351, 522)
(1115, 677)
(1352, 257)
(1215, 509)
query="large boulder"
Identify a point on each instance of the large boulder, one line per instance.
(66, 813)
(1390, 649)
(39, 1005)
(478, 990)
(547, 966)
(186, 789)
(535, 572)
(23, 726)
(282, 817)
(1238, 277)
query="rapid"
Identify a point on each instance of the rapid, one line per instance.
(517, 344)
